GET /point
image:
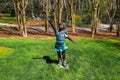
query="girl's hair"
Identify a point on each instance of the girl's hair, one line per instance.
(63, 24)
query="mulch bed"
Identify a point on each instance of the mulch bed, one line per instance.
(9, 32)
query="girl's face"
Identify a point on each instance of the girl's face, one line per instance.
(61, 27)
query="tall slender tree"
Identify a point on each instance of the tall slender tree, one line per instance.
(111, 10)
(72, 4)
(54, 10)
(47, 16)
(95, 7)
(60, 10)
(20, 6)
(118, 17)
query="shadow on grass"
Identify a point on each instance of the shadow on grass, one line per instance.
(48, 60)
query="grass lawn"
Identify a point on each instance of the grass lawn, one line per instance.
(9, 20)
(89, 59)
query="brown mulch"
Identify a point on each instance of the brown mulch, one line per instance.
(39, 23)
(31, 34)
(35, 22)
(8, 32)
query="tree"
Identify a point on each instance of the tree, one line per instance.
(111, 10)
(20, 6)
(54, 11)
(95, 7)
(47, 16)
(60, 9)
(72, 4)
(32, 8)
(117, 17)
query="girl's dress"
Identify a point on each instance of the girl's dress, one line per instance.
(60, 45)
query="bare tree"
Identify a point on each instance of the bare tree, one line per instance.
(20, 6)
(47, 16)
(72, 4)
(66, 10)
(111, 10)
(60, 9)
(95, 7)
(118, 17)
(54, 9)
(45, 4)
(32, 9)
(118, 28)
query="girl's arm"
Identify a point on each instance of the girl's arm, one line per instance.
(52, 26)
(71, 40)
(44, 13)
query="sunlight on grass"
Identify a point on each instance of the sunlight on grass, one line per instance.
(5, 51)
(89, 59)
(9, 20)
(115, 40)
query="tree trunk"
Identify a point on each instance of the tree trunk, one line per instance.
(47, 15)
(111, 13)
(111, 24)
(60, 9)
(46, 24)
(118, 29)
(93, 24)
(73, 22)
(17, 13)
(32, 10)
(95, 5)
(20, 13)
(118, 17)
(73, 15)
(23, 19)
(55, 20)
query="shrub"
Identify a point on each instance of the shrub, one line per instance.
(78, 18)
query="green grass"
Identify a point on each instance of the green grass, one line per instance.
(89, 59)
(4, 51)
(7, 19)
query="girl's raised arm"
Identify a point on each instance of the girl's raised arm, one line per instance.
(52, 26)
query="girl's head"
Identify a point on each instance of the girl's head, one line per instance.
(62, 26)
